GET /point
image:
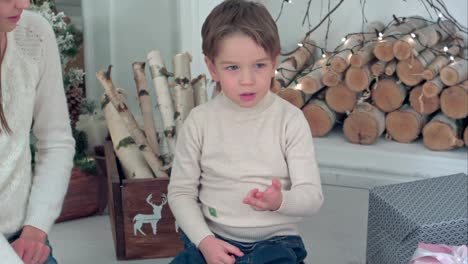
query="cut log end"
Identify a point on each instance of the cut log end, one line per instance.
(449, 76)
(402, 50)
(422, 104)
(440, 136)
(384, 51)
(293, 96)
(338, 64)
(409, 71)
(430, 89)
(361, 128)
(309, 85)
(454, 102)
(356, 60)
(275, 87)
(388, 95)
(402, 126)
(331, 78)
(340, 98)
(319, 120)
(357, 79)
(428, 74)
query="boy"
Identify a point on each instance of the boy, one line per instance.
(244, 171)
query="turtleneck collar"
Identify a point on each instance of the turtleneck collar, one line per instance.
(263, 104)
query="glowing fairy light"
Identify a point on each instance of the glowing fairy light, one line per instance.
(300, 44)
(445, 48)
(413, 35)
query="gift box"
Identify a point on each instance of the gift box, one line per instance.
(142, 223)
(433, 211)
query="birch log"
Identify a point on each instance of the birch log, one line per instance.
(358, 79)
(183, 91)
(340, 98)
(200, 93)
(441, 61)
(441, 133)
(320, 117)
(422, 104)
(293, 64)
(163, 95)
(153, 161)
(364, 125)
(312, 82)
(422, 38)
(332, 78)
(366, 53)
(409, 71)
(457, 71)
(133, 162)
(433, 87)
(389, 94)
(378, 68)
(343, 54)
(454, 101)
(384, 49)
(146, 108)
(404, 125)
(294, 96)
(275, 86)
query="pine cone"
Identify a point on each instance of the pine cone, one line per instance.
(74, 98)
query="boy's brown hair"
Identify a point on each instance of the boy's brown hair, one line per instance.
(240, 16)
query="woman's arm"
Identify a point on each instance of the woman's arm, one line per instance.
(55, 143)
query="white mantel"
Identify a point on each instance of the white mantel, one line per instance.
(385, 162)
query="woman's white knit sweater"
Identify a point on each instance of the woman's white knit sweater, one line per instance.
(33, 97)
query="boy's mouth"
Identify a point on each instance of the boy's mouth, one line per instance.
(247, 96)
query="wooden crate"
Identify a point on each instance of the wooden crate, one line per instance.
(133, 218)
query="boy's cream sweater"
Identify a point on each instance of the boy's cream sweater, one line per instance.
(224, 151)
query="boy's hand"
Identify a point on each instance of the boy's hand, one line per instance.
(270, 199)
(217, 251)
(31, 247)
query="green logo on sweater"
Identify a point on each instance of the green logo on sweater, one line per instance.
(212, 212)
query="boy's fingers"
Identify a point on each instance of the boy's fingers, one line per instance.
(276, 183)
(233, 250)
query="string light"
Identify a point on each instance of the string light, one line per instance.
(452, 58)
(324, 55)
(288, 1)
(300, 44)
(380, 34)
(413, 35)
(440, 15)
(343, 39)
(276, 72)
(379, 38)
(445, 48)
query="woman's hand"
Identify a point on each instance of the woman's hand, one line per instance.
(31, 247)
(270, 199)
(217, 251)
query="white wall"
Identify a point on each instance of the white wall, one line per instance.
(347, 18)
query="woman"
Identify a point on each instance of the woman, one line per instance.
(31, 96)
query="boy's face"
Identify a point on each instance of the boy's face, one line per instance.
(243, 69)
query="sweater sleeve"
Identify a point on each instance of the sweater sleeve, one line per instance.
(185, 180)
(305, 196)
(7, 254)
(55, 144)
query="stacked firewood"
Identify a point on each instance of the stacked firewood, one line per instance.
(408, 78)
(139, 149)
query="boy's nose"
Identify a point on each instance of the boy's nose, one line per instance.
(247, 77)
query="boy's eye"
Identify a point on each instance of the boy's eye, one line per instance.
(260, 65)
(232, 68)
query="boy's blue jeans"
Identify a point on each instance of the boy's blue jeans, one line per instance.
(50, 259)
(276, 250)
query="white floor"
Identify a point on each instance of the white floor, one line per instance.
(336, 235)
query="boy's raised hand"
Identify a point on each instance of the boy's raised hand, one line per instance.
(270, 199)
(218, 251)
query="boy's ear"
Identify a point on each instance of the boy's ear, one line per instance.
(211, 69)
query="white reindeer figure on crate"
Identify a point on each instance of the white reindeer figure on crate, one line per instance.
(152, 219)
